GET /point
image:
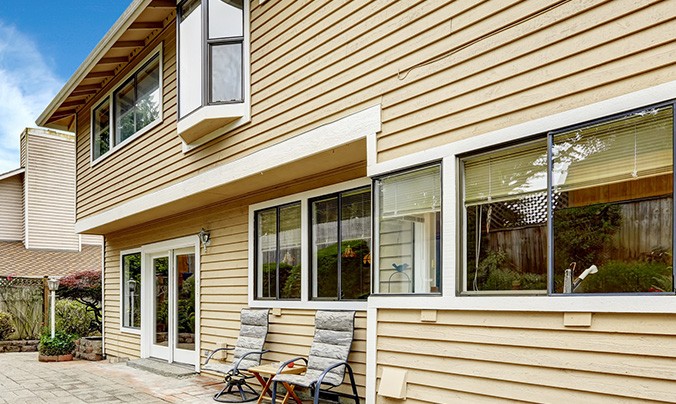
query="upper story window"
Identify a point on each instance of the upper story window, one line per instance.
(601, 192)
(408, 232)
(136, 107)
(213, 61)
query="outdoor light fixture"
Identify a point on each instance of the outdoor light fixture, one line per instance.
(205, 238)
(53, 285)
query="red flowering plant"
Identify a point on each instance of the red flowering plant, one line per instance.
(84, 287)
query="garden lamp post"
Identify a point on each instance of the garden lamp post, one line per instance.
(132, 292)
(53, 284)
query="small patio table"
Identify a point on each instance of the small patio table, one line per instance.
(265, 373)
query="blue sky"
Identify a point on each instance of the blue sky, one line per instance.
(42, 43)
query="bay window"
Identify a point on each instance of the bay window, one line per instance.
(408, 232)
(212, 60)
(585, 209)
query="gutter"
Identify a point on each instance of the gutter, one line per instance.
(114, 33)
(12, 173)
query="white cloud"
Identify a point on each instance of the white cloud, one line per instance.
(27, 85)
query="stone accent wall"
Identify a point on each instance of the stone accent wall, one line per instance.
(88, 348)
(19, 346)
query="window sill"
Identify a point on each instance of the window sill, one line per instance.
(311, 305)
(134, 331)
(209, 122)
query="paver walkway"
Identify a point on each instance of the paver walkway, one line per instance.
(25, 380)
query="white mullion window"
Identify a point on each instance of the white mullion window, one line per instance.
(130, 109)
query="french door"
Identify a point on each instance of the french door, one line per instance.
(172, 282)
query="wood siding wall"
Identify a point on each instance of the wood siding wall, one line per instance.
(442, 71)
(224, 279)
(11, 208)
(526, 357)
(50, 192)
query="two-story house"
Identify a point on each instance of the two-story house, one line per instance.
(37, 211)
(489, 184)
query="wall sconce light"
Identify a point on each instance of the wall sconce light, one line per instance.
(205, 239)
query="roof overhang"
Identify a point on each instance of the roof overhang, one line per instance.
(12, 173)
(137, 26)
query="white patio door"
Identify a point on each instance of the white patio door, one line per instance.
(172, 281)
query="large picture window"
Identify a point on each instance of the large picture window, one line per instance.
(278, 249)
(409, 232)
(341, 245)
(131, 290)
(137, 104)
(587, 209)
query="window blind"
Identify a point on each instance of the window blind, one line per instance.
(410, 193)
(506, 174)
(637, 146)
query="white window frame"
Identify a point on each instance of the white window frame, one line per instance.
(305, 301)
(239, 111)
(147, 287)
(130, 330)
(158, 51)
(452, 211)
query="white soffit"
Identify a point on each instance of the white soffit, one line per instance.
(326, 137)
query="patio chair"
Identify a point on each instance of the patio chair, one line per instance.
(327, 362)
(247, 353)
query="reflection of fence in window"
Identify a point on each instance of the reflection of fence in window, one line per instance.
(23, 299)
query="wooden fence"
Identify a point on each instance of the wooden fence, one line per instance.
(26, 300)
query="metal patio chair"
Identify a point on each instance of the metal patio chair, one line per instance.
(247, 353)
(327, 362)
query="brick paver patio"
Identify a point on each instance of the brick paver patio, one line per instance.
(25, 380)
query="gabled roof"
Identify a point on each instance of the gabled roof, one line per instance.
(135, 28)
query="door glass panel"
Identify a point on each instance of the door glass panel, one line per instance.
(185, 290)
(161, 324)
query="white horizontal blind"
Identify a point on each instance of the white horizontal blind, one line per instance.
(506, 174)
(410, 193)
(637, 146)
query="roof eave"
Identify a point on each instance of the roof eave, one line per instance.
(113, 34)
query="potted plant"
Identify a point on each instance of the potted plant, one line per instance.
(57, 349)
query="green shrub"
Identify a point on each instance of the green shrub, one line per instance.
(72, 317)
(6, 325)
(634, 276)
(61, 344)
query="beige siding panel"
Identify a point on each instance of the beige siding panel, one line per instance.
(50, 185)
(523, 355)
(224, 280)
(91, 239)
(11, 208)
(528, 71)
(511, 64)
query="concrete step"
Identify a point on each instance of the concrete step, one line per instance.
(160, 367)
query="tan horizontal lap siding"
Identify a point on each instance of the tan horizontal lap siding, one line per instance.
(224, 279)
(479, 356)
(11, 208)
(50, 185)
(576, 54)
(314, 62)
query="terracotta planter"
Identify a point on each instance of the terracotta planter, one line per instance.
(55, 358)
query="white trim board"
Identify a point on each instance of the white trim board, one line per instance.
(326, 137)
(638, 99)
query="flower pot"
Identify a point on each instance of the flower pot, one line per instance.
(55, 358)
